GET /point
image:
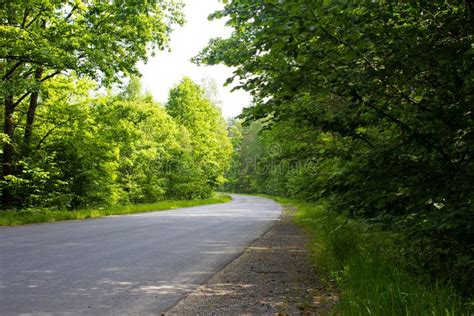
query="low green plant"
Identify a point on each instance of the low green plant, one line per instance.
(366, 265)
(31, 216)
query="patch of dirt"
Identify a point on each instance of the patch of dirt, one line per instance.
(273, 276)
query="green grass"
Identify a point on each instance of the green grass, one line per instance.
(31, 216)
(366, 266)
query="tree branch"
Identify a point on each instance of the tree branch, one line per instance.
(12, 70)
(34, 19)
(74, 8)
(29, 92)
(51, 75)
(50, 132)
(25, 16)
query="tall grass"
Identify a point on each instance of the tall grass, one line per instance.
(30, 216)
(368, 270)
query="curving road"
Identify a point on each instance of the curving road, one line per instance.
(135, 264)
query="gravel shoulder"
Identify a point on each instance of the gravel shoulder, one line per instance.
(272, 276)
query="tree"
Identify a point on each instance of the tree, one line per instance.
(41, 39)
(211, 148)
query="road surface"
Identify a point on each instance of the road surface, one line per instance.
(136, 264)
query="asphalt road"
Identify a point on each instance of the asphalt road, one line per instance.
(136, 264)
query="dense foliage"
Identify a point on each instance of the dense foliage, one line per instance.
(368, 106)
(66, 142)
(90, 149)
(40, 40)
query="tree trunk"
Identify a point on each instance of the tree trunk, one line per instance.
(30, 118)
(7, 161)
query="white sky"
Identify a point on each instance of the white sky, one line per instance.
(166, 69)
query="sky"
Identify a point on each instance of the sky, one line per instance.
(166, 69)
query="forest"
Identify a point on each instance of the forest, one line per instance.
(365, 108)
(77, 130)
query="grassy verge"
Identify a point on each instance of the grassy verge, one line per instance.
(30, 216)
(365, 265)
